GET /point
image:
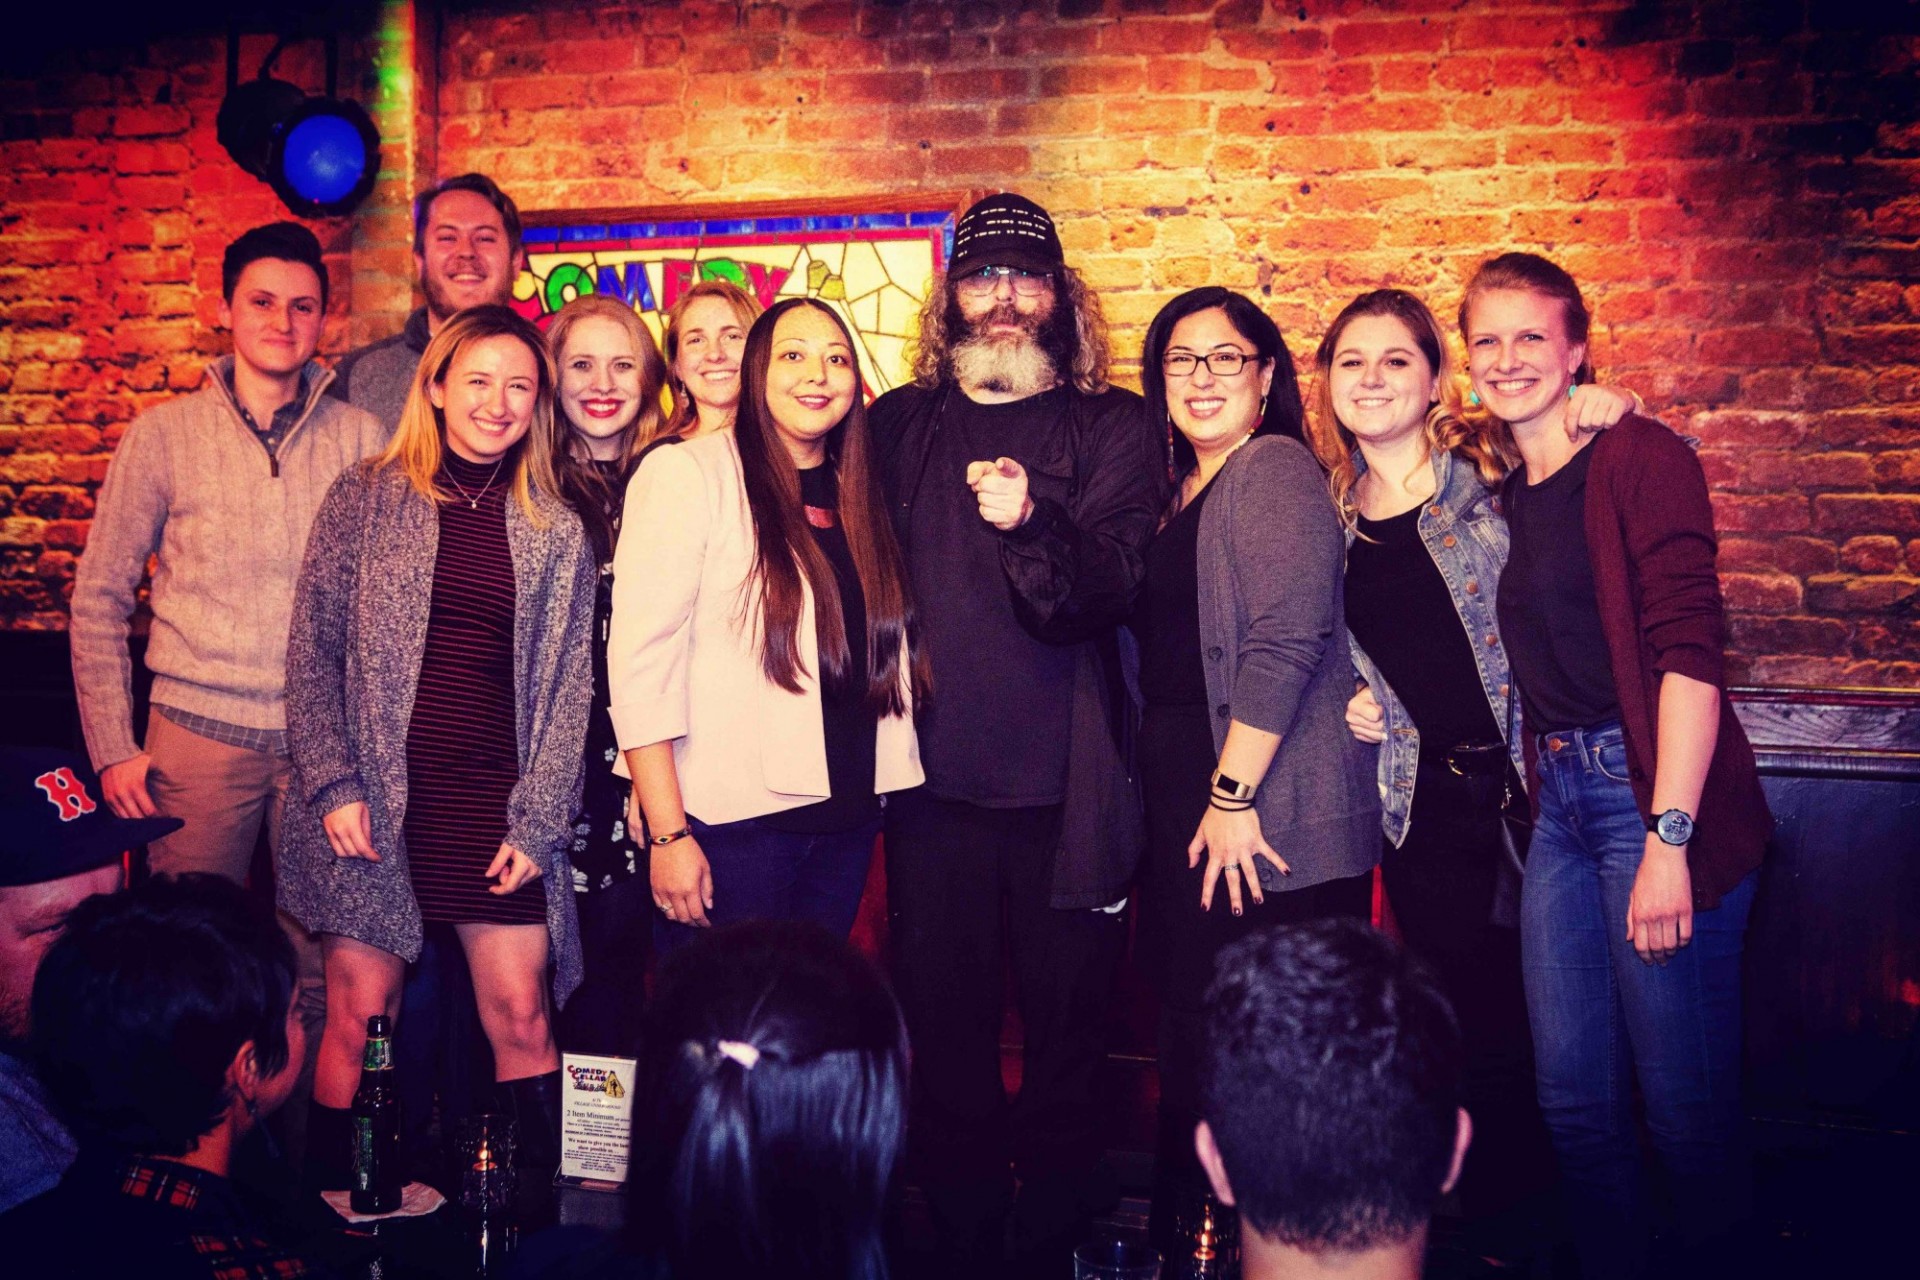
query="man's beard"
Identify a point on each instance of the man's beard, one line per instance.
(444, 307)
(1019, 363)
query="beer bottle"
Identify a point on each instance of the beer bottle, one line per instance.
(376, 1125)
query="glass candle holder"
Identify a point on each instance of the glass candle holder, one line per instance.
(488, 1177)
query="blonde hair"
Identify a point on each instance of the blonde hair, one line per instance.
(419, 442)
(653, 372)
(685, 413)
(1482, 442)
(941, 326)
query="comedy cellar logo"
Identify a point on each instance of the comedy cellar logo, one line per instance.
(596, 1080)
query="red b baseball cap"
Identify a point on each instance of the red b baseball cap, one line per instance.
(53, 823)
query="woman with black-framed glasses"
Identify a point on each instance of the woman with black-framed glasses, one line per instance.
(1261, 807)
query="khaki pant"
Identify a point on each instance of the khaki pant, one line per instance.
(224, 794)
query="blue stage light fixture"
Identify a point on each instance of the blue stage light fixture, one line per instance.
(320, 155)
(326, 155)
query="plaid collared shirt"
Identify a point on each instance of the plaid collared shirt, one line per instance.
(218, 1236)
(284, 417)
(273, 741)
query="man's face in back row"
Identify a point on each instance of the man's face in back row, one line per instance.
(465, 259)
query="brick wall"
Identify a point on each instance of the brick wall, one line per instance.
(1737, 186)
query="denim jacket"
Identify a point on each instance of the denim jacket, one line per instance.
(1466, 535)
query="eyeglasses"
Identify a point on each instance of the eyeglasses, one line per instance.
(1223, 363)
(984, 281)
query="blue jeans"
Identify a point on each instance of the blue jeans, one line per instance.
(763, 874)
(1602, 1017)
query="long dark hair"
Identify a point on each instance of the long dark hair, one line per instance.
(785, 550)
(776, 1065)
(1285, 415)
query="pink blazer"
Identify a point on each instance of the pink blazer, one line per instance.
(683, 663)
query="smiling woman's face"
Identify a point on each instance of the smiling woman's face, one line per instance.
(1381, 384)
(599, 380)
(1214, 410)
(708, 343)
(811, 381)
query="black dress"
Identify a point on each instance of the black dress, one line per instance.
(463, 753)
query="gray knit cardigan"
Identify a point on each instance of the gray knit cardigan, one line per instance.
(353, 665)
(1273, 637)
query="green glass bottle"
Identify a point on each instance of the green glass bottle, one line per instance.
(376, 1125)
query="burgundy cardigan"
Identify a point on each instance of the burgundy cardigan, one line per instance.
(1650, 537)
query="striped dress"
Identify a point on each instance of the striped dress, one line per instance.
(462, 757)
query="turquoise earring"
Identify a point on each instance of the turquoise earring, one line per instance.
(1570, 390)
(1473, 398)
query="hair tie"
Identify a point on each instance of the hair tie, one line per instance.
(740, 1051)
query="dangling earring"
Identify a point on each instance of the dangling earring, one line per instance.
(1571, 388)
(1263, 406)
(1473, 398)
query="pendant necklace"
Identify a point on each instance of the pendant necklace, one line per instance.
(473, 499)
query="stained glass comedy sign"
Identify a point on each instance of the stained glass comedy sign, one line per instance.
(874, 267)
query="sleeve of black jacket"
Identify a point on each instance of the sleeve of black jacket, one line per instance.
(1074, 569)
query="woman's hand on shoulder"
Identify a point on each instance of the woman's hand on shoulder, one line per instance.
(682, 882)
(512, 868)
(1593, 407)
(1232, 840)
(350, 831)
(1366, 718)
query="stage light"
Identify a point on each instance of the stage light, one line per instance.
(326, 155)
(320, 155)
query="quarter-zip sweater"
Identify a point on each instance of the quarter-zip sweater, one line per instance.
(192, 486)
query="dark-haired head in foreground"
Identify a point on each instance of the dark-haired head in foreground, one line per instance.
(162, 1012)
(162, 1024)
(1331, 1093)
(778, 1061)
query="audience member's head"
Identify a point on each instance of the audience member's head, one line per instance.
(466, 245)
(1331, 1092)
(778, 1062)
(162, 1018)
(59, 845)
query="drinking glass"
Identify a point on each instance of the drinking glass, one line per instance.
(1115, 1260)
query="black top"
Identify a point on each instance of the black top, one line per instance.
(604, 851)
(1400, 611)
(849, 723)
(995, 731)
(1549, 614)
(1167, 622)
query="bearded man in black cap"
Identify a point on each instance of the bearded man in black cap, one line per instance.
(59, 845)
(1024, 490)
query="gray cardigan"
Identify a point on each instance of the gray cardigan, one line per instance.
(353, 664)
(1273, 639)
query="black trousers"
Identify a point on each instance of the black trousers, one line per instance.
(616, 939)
(1440, 883)
(965, 885)
(1179, 941)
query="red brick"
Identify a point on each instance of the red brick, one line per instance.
(1155, 37)
(1841, 593)
(1394, 35)
(1734, 513)
(1761, 593)
(1821, 636)
(1873, 554)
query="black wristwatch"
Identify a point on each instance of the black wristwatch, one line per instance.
(1674, 827)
